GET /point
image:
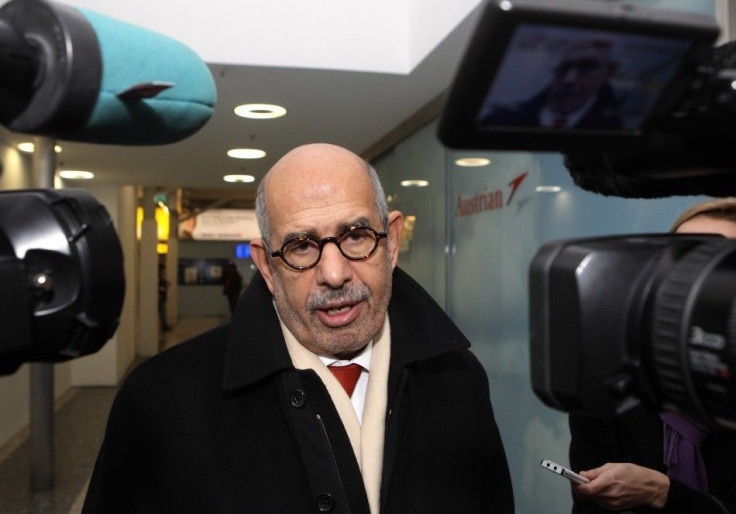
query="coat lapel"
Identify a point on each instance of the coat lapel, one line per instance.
(255, 345)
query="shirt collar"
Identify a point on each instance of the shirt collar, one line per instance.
(363, 359)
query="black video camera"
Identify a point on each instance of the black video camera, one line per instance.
(647, 99)
(61, 270)
(619, 321)
(642, 105)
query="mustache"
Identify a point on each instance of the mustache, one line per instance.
(343, 295)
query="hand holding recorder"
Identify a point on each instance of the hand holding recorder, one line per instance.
(619, 486)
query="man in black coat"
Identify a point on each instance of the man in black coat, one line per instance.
(249, 418)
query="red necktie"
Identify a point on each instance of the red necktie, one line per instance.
(347, 376)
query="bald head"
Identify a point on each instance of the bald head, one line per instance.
(322, 154)
(310, 169)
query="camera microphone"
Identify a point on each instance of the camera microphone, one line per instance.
(77, 75)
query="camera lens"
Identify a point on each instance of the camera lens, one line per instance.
(692, 344)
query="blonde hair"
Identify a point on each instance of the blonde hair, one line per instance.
(720, 209)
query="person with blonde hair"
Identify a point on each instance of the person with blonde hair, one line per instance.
(707, 217)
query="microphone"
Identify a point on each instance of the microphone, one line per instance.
(77, 75)
(669, 165)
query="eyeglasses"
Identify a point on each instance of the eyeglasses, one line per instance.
(304, 252)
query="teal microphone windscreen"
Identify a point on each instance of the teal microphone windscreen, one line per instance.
(104, 81)
(154, 89)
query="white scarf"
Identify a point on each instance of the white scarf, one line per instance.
(367, 441)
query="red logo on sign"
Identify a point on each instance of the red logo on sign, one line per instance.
(488, 201)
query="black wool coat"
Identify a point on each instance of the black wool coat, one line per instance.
(225, 424)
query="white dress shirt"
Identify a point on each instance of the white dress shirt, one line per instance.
(363, 359)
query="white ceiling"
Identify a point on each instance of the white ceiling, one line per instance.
(385, 36)
(410, 49)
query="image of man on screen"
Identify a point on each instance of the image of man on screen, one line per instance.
(579, 94)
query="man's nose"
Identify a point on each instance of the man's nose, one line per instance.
(333, 268)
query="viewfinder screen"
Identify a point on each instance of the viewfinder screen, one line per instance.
(559, 77)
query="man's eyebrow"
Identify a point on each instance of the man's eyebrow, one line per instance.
(361, 222)
(298, 235)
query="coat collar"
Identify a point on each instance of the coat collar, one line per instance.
(256, 349)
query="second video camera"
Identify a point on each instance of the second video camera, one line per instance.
(616, 321)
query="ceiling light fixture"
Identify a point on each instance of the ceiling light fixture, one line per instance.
(473, 162)
(76, 174)
(415, 183)
(239, 178)
(260, 111)
(29, 147)
(246, 153)
(548, 189)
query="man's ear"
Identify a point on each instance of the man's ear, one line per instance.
(260, 257)
(395, 226)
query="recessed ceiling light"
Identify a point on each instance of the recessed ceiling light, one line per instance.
(28, 147)
(415, 183)
(472, 162)
(246, 153)
(76, 174)
(238, 178)
(260, 111)
(548, 189)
